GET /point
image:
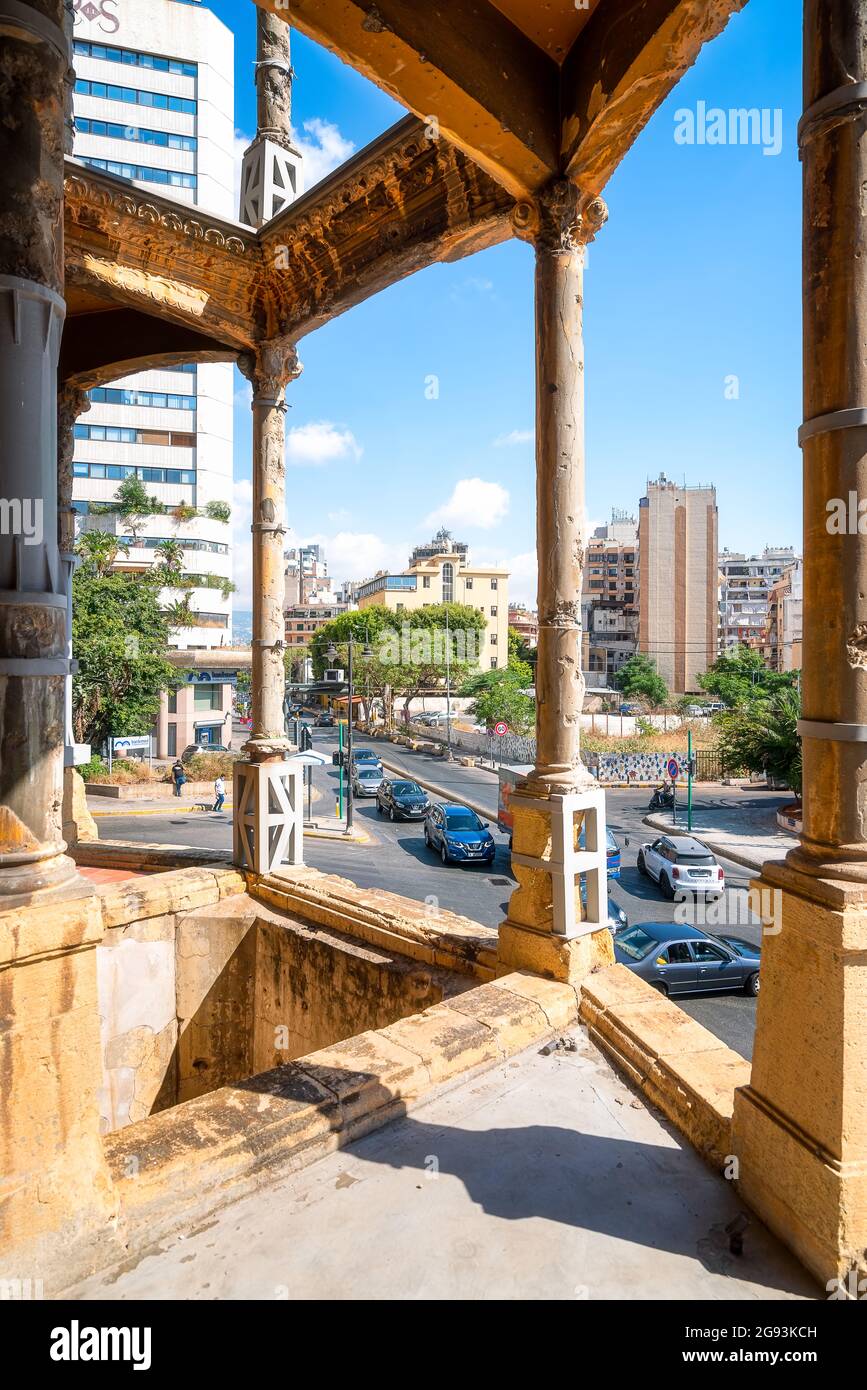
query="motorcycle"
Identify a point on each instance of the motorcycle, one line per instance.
(662, 799)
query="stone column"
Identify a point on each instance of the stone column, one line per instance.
(271, 173)
(800, 1128)
(34, 58)
(56, 1202)
(551, 926)
(269, 370)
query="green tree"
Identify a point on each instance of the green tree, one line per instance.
(499, 695)
(761, 735)
(100, 551)
(741, 675)
(638, 679)
(522, 657)
(120, 639)
(135, 504)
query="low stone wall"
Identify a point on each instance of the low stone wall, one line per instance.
(682, 1068)
(151, 791)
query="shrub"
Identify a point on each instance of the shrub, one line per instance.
(94, 770)
(205, 767)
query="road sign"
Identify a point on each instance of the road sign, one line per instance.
(501, 728)
(139, 744)
(673, 769)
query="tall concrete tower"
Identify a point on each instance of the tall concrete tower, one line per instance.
(271, 174)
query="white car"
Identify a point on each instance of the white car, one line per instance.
(681, 864)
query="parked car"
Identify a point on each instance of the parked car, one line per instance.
(366, 779)
(677, 959)
(192, 749)
(629, 709)
(402, 800)
(680, 863)
(324, 720)
(458, 834)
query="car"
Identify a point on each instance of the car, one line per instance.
(402, 800)
(458, 834)
(364, 757)
(324, 720)
(366, 779)
(677, 959)
(193, 749)
(629, 709)
(612, 852)
(617, 918)
(682, 864)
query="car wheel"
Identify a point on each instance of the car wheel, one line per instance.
(752, 985)
(660, 988)
(642, 867)
(667, 887)
(444, 855)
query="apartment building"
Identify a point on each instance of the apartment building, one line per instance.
(441, 572)
(745, 584)
(154, 104)
(783, 633)
(609, 599)
(678, 581)
(306, 578)
(525, 622)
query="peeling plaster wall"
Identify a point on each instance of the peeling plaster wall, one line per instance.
(189, 1002)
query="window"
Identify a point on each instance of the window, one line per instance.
(707, 952)
(493, 583)
(131, 58)
(677, 954)
(171, 177)
(158, 100)
(139, 134)
(425, 583)
(493, 663)
(207, 697)
(493, 639)
(111, 395)
(468, 583)
(448, 582)
(172, 746)
(493, 610)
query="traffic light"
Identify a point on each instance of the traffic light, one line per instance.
(338, 758)
(306, 741)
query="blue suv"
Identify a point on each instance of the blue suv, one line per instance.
(458, 835)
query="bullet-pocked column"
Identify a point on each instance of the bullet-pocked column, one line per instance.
(34, 58)
(800, 1128)
(551, 923)
(267, 804)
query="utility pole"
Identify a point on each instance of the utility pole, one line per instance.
(448, 692)
(349, 803)
(689, 780)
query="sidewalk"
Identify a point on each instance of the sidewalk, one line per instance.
(745, 832)
(324, 828)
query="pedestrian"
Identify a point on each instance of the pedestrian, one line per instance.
(220, 790)
(179, 776)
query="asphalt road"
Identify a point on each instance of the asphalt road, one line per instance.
(399, 861)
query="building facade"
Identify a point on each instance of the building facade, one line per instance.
(609, 600)
(525, 622)
(745, 583)
(154, 103)
(200, 711)
(678, 581)
(783, 632)
(306, 578)
(441, 573)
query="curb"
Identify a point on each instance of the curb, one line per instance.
(484, 811)
(159, 811)
(756, 865)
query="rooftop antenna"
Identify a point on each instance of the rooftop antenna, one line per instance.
(271, 173)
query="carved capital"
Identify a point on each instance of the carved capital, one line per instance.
(270, 368)
(560, 218)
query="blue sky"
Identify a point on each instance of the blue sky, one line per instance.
(694, 281)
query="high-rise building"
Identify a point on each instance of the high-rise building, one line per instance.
(745, 585)
(306, 577)
(154, 104)
(678, 581)
(609, 599)
(783, 628)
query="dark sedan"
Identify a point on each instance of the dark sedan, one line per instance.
(677, 959)
(402, 800)
(324, 721)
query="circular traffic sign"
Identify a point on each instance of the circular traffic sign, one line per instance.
(673, 769)
(501, 728)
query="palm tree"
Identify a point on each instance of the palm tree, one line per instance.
(762, 736)
(99, 551)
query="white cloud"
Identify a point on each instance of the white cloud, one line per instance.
(320, 442)
(508, 441)
(322, 146)
(359, 554)
(472, 503)
(340, 518)
(523, 575)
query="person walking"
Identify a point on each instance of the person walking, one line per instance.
(179, 776)
(220, 791)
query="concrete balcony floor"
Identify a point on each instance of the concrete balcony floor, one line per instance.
(542, 1178)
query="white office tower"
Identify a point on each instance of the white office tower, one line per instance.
(154, 103)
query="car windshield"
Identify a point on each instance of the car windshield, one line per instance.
(369, 772)
(463, 820)
(406, 789)
(364, 755)
(696, 857)
(636, 943)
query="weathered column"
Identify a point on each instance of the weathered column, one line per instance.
(552, 925)
(271, 173)
(267, 804)
(56, 1201)
(33, 655)
(801, 1126)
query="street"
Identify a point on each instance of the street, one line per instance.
(398, 860)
